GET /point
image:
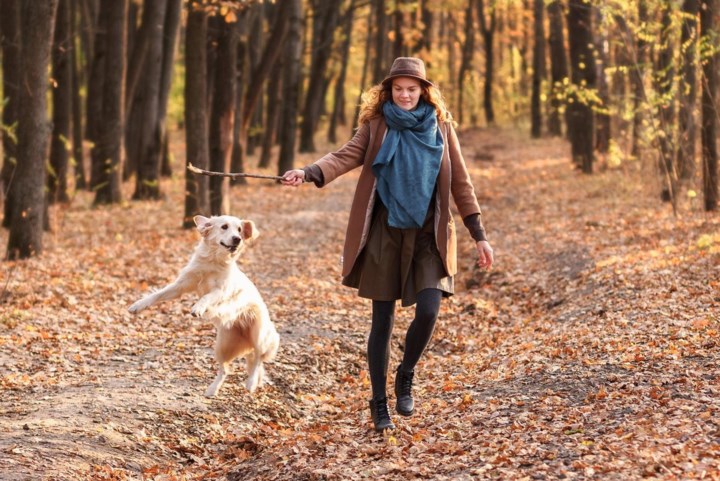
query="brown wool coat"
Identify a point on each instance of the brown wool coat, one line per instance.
(453, 178)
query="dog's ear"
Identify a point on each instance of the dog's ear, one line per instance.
(249, 231)
(203, 224)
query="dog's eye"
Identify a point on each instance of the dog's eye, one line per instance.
(224, 227)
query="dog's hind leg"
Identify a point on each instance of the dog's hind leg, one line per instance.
(219, 380)
(255, 371)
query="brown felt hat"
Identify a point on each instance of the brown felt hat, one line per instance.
(407, 67)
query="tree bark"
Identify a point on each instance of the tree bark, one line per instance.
(381, 67)
(62, 106)
(488, 33)
(638, 76)
(291, 75)
(78, 154)
(273, 47)
(664, 79)
(558, 67)
(709, 133)
(240, 140)
(602, 112)
(197, 197)
(327, 17)
(253, 52)
(538, 69)
(170, 36)
(338, 112)
(95, 96)
(144, 138)
(111, 129)
(11, 62)
(687, 92)
(222, 115)
(143, 81)
(583, 79)
(271, 117)
(37, 24)
(468, 52)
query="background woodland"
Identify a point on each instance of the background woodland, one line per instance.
(92, 88)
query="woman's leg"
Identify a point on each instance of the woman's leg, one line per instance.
(383, 318)
(422, 327)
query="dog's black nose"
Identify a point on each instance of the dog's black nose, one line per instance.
(236, 240)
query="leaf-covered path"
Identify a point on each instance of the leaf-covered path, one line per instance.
(589, 352)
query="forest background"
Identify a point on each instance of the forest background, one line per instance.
(599, 118)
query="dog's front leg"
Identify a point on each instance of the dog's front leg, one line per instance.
(171, 291)
(209, 299)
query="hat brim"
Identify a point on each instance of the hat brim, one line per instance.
(390, 78)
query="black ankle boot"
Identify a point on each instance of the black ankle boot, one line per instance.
(403, 392)
(380, 415)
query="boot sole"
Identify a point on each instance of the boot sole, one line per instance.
(405, 413)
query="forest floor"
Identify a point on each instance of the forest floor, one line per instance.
(590, 351)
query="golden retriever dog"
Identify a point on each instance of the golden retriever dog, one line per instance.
(227, 297)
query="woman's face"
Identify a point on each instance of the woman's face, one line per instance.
(406, 92)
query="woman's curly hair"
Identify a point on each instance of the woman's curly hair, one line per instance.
(372, 101)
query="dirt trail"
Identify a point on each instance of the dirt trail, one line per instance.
(589, 352)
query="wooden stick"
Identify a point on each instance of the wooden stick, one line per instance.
(232, 175)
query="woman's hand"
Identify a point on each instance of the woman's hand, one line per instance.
(293, 177)
(485, 255)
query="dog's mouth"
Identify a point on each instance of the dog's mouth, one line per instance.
(232, 248)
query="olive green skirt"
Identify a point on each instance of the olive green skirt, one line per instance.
(399, 263)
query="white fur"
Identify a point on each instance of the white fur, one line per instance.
(227, 297)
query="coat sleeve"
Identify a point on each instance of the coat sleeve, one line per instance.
(348, 157)
(461, 186)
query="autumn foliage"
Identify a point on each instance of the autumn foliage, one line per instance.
(588, 352)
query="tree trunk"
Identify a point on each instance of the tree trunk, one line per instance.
(144, 138)
(559, 67)
(602, 112)
(538, 69)
(253, 52)
(78, 154)
(37, 23)
(338, 112)
(170, 36)
(291, 75)
(273, 47)
(468, 52)
(143, 81)
(327, 17)
(638, 82)
(488, 33)
(366, 67)
(222, 115)
(381, 67)
(94, 97)
(197, 197)
(240, 142)
(62, 106)
(664, 78)
(11, 65)
(111, 129)
(687, 92)
(426, 38)
(709, 134)
(583, 79)
(271, 117)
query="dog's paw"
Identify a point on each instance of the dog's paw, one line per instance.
(137, 307)
(198, 310)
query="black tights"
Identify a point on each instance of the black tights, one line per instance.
(417, 337)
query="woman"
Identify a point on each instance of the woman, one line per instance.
(400, 241)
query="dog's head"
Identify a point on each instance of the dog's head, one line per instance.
(226, 232)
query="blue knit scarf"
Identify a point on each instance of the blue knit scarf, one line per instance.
(408, 163)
